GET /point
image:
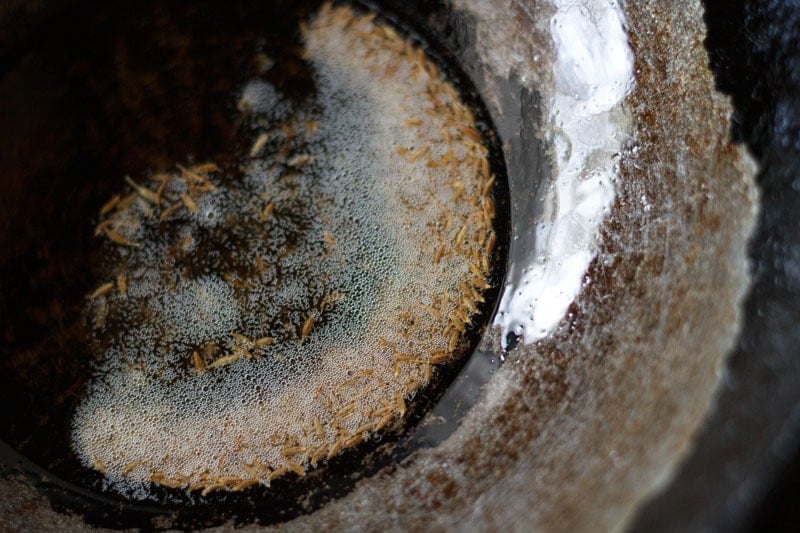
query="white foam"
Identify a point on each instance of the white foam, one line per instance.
(592, 74)
(258, 96)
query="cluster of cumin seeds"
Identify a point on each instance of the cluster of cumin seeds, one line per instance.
(350, 256)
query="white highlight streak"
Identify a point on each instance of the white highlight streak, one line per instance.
(593, 72)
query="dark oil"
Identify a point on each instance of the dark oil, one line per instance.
(106, 90)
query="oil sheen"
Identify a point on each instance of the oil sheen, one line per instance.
(252, 320)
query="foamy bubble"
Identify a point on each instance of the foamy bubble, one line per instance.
(258, 96)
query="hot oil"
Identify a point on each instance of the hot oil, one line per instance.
(276, 61)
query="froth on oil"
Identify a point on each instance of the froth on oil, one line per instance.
(254, 320)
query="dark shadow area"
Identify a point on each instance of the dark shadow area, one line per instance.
(744, 470)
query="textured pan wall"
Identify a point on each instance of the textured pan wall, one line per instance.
(576, 431)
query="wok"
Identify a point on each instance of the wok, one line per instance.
(664, 397)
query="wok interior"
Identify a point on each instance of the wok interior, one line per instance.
(573, 432)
